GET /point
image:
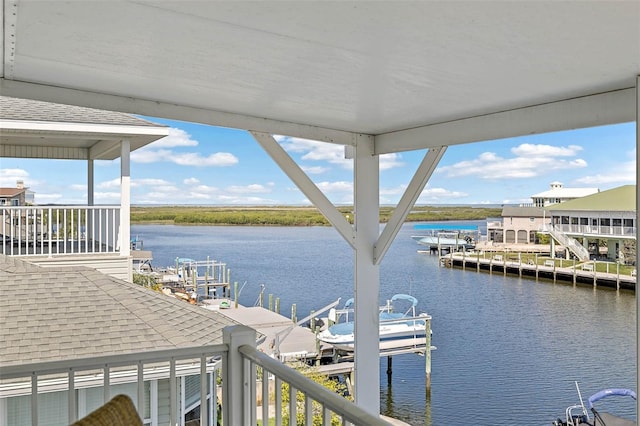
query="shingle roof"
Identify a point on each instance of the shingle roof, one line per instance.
(11, 192)
(522, 211)
(68, 312)
(620, 199)
(565, 193)
(30, 110)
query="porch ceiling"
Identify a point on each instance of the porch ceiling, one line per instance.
(453, 72)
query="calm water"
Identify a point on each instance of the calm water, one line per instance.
(508, 349)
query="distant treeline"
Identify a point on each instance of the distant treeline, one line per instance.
(292, 216)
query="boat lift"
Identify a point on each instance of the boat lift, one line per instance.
(281, 335)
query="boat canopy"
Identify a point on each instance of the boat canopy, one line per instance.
(608, 392)
(401, 296)
(445, 227)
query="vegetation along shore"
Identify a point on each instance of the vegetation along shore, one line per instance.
(291, 215)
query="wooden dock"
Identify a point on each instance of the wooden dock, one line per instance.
(586, 273)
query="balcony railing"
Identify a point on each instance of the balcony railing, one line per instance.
(239, 361)
(604, 230)
(59, 230)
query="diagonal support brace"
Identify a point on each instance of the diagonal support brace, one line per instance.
(411, 194)
(306, 185)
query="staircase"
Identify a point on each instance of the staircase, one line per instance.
(570, 243)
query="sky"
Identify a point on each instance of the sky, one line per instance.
(204, 165)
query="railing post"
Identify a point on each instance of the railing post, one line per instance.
(236, 386)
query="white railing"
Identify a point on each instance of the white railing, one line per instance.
(626, 231)
(570, 243)
(59, 230)
(238, 359)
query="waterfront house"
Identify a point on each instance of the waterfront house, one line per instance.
(381, 79)
(18, 196)
(605, 217)
(521, 224)
(90, 234)
(557, 193)
(517, 225)
(73, 313)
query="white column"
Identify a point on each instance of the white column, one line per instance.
(125, 199)
(366, 276)
(237, 387)
(90, 183)
(637, 252)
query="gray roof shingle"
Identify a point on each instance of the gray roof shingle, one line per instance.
(30, 110)
(67, 312)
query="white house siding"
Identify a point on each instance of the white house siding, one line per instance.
(116, 266)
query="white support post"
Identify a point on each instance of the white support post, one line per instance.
(90, 182)
(637, 253)
(366, 276)
(125, 201)
(237, 386)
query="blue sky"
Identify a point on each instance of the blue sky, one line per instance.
(200, 165)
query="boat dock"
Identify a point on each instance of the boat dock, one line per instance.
(595, 273)
(291, 341)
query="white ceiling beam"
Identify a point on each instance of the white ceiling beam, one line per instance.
(409, 197)
(586, 111)
(171, 111)
(306, 185)
(104, 149)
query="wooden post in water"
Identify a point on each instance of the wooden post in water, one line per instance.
(478, 261)
(595, 268)
(504, 263)
(293, 313)
(277, 305)
(261, 299)
(427, 356)
(235, 293)
(389, 368)
(313, 321)
(536, 260)
(271, 301)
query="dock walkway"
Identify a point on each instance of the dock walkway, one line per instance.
(551, 269)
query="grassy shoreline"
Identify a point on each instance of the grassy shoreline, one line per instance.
(290, 215)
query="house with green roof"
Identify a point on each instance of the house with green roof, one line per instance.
(608, 216)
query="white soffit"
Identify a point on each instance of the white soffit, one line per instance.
(417, 74)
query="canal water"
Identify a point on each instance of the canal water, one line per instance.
(508, 349)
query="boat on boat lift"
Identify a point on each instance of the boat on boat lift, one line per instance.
(397, 329)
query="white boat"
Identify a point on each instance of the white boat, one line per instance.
(397, 329)
(445, 240)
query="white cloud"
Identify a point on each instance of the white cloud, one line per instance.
(176, 137)
(625, 173)
(531, 161)
(113, 183)
(9, 177)
(219, 159)
(390, 161)
(158, 152)
(340, 186)
(78, 187)
(191, 181)
(314, 170)
(541, 150)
